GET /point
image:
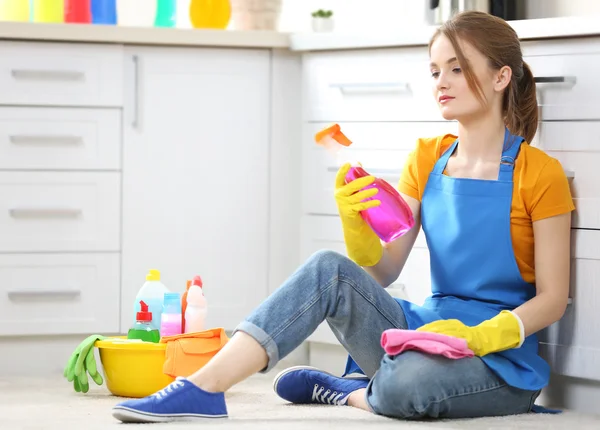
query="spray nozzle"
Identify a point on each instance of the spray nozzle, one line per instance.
(197, 281)
(143, 314)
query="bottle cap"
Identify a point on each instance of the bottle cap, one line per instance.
(143, 315)
(153, 275)
(197, 281)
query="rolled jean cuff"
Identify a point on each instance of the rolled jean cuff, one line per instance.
(264, 340)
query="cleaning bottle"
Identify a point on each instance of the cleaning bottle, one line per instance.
(48, 11)
(136, 13)
(188, 283)
(214, 14)
(142, 328)
(195, 314)
(78, 11)
(104, 12)
(171, 315)
(166, 13)
(393, 217)
(152, 293)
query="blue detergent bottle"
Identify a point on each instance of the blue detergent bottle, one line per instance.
(152, 293)
(104, 12)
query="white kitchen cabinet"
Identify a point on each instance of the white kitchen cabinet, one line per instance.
(196, 175)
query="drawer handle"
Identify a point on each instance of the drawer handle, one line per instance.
(374, 172)
(555, 81)
(44, 213)
(382, 87)
(51, 294)
(51, 140)
(54, 75)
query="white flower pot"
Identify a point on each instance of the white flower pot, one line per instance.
(322, 25)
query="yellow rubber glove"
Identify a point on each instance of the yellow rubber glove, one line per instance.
(504, 331)
(362, 244)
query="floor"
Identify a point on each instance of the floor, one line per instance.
(52, 404)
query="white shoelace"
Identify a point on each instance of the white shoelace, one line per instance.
(328, 397)
(169, 388)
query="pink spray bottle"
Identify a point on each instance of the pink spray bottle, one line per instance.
(393, 217)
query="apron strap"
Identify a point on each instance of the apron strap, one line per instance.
(440, 165)
(512, 144)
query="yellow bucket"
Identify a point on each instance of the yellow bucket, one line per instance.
(133, 369)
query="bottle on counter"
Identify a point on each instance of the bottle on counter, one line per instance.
(213, 14)
(78, 11)
(152, 293)
(14, 10)
(104, 12)
(195, 313)
(171, 315)
(143, 329)
(49, 11)
(136, 13)
(166, 13)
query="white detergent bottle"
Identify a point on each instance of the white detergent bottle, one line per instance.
(136, 13)
(152, 293)
(195, 313)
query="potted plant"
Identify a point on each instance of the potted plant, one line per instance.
(322, 20)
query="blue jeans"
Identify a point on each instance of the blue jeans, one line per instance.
(330, 287)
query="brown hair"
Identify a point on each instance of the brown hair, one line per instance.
(497, 40)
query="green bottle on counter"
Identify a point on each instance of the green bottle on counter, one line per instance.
(142, 328)
(166, 11)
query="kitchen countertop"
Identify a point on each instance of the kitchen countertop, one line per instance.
(533, 29)
(88, 33)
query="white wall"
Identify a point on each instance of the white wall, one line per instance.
(555, 8)
(356, 15)
(390, 15)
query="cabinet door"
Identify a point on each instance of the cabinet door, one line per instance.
(195, 175)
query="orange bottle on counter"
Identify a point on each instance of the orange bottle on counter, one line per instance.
(214, 14)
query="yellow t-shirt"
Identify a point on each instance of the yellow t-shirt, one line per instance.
(541, 190)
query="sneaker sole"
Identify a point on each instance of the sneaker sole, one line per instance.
(294, 368)
(127, 415)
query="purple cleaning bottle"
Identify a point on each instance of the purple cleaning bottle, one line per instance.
(393, 217)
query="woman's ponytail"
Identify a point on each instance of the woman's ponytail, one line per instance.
(521, 106)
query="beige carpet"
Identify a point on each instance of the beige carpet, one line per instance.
(51, 404)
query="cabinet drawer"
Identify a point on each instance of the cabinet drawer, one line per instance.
(374, 85)
(56, 74)
(64, 211)
(566, 78)
(577, 146)
(381, 148)
(49, 138)
(51, 294)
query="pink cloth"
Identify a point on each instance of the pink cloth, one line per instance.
(394, 341)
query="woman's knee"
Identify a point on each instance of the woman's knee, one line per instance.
(327, 259)
(403, 390)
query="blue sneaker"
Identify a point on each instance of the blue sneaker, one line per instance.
(179, 401)
(305, 384)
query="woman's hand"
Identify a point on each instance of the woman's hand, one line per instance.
(504, 331)
(362, 244)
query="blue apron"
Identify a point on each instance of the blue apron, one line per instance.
(474, 273)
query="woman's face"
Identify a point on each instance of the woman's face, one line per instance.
(449, 85)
